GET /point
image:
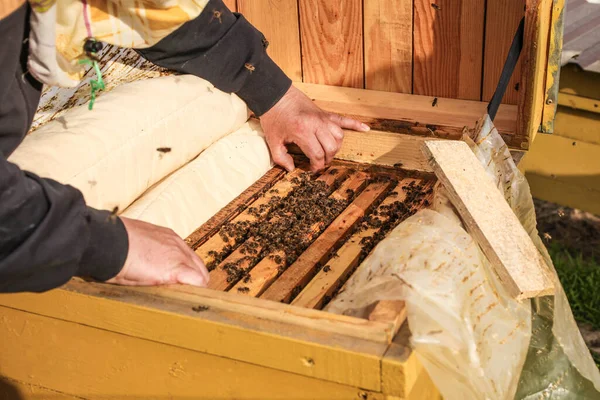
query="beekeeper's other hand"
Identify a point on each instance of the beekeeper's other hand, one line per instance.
(157, 256)
(296, 119)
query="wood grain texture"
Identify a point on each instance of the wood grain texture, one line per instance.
(393, 311)
(332, 44)
(231, 4)
(502, 20)
(533, 70)
(267, 270)
(278, 21)
(280, 189)
(388, 45)
(448, 43)
(490, 220)
(220, 278)
(303, 269)
(408, 112)
(327, 281)
(235, 207)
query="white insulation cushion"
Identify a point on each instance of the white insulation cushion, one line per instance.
(193, 194)
(110, 153)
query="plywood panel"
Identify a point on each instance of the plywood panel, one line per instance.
(332, 45)
(448, 43)
(502, 20)
(388, 45)
(278, 21)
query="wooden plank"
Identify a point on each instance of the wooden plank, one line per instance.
(262, 206)
(501, 22)
(220, 278)
(388, 31)
(534, 60)
(303, 269)
(92, 363)
(228, 212)
(327, 281)
(448, 43)
(406, 113)
(11, 389)
(490, 220)
(399, 366)
(267, 270)
(374, 331)
(381, 148)
(278, 21)
(393, 311)
(221, 333)
(332, 45)
(231, 4)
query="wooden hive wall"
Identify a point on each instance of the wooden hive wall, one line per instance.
(445, 48)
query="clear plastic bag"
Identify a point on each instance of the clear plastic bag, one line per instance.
(475, 341)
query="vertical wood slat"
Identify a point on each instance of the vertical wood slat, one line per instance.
(332, 44)
(388, 30)
(278, 21)
(448, 43)
(231, 4)
(502, 20)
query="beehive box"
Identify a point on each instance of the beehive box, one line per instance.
(413, 74)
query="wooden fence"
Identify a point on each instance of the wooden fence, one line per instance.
(444, 48)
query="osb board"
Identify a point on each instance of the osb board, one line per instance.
(490, 220)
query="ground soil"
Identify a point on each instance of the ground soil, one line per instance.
(577, 232)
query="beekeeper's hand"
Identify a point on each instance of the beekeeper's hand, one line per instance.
(157, 256)
(295, 119)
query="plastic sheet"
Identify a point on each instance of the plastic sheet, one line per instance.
(475, 341)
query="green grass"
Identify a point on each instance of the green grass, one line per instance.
(581, 280)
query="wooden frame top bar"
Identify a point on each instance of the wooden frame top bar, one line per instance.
(408, 113)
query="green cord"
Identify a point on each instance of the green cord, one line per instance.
(96, 84)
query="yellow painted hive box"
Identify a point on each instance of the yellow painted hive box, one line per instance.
(259, 330)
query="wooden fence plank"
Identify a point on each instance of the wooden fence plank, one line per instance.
(448, 42)
(278, 21)
(231, 4)
(502, 20)
(388, 45)
(490, 220)
(332, 45)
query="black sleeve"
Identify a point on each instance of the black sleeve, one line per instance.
(226, 50)
(48, 234)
